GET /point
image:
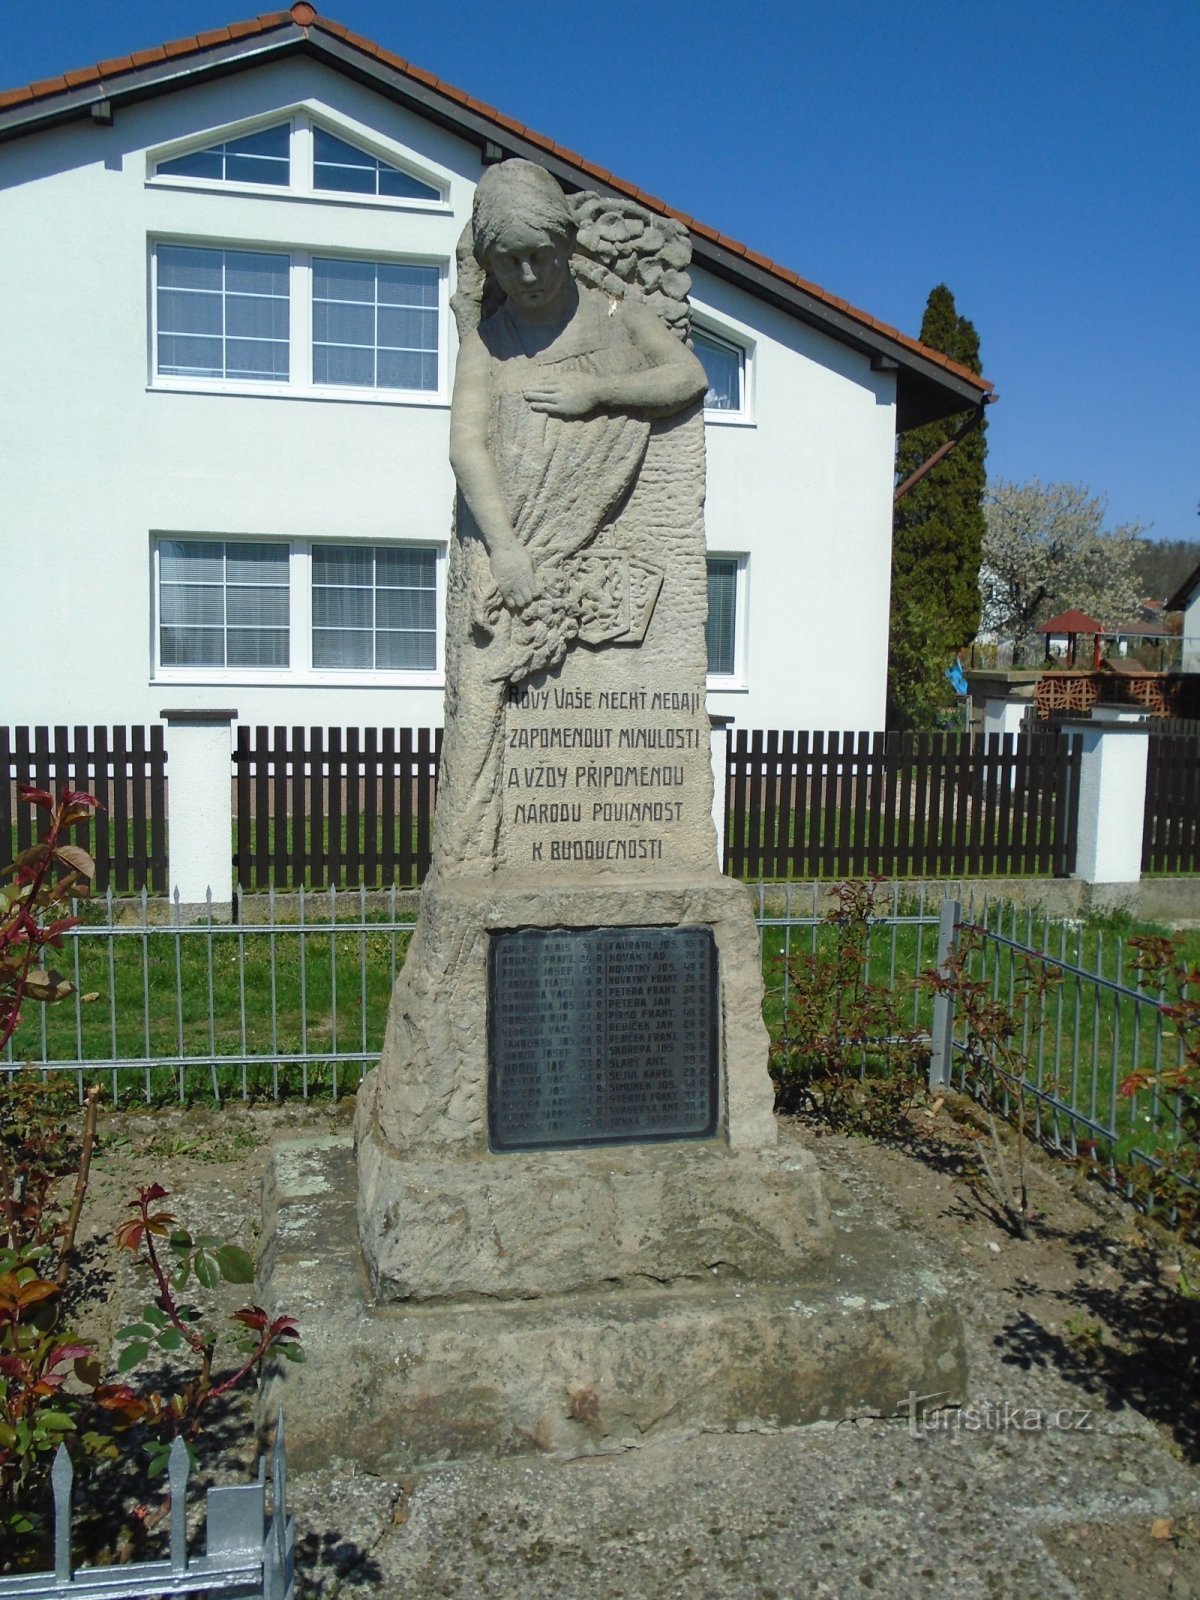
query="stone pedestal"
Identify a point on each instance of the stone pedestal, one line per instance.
(442, 1215)
(754, 1330)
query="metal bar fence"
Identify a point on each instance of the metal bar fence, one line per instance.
(1080, 1037)
(247, 1554)
(291, 1000)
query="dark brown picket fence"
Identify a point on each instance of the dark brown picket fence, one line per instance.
(1171, 831)
(125, 768)
(334, 806)
(347, 806)
(830, 805)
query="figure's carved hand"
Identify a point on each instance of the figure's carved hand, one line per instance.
(513, 571)
(573, 395)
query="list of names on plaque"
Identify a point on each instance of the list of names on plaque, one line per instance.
(601, 1036)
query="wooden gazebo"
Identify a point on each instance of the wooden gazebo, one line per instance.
(1074, 623)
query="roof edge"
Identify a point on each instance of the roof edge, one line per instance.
(939, 385)
(1179, 600)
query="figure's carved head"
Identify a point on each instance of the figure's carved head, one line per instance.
(519, 192)
(523, 236)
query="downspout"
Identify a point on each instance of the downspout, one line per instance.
(975, 420)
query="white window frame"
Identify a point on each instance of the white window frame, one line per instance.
(301, 118)
(301, 673)
(299, 382)
(740, 340)
(737, 679)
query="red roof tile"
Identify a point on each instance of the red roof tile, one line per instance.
(303, 15)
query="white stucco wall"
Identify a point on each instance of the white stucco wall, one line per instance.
(95, 462)
(1191, 634)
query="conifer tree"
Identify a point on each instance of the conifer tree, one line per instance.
(937, 538)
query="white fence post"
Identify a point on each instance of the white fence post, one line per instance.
(200, 809)
(1112, 793)
(718, 744)
(1004, 715)
(941, 1033)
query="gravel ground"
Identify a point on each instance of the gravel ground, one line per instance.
(1070, 1473)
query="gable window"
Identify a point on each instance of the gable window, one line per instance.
(299, 610)
(297, 153)
(222, 604)
(348, 170)
(262, 157)
(374, 607)
(222, 313)
(722, 627)
(375, 324)
(724, 365)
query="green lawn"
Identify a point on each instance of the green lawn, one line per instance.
(193, 1002)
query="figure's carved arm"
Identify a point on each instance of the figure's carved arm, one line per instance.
(674, 381)
(478, 479)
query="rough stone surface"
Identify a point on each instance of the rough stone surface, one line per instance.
(585, 1372)
(429, 1094)
(554, 1222)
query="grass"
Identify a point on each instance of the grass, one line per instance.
(287, 992)
(323, 991)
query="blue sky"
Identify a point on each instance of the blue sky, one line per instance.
(1043, 159)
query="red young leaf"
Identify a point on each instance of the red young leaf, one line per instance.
(35, 797)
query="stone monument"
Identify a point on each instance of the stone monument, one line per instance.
(578, 1227)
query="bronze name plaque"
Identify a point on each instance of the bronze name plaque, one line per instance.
(601, 1036)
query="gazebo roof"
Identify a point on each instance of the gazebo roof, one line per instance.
(1071, 622)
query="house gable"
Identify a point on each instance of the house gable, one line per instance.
(928, 384)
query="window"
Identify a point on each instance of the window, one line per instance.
(262, 157)
(222, 605)
(244, 317)
(222, 314)
(299, 154)
(375, 324)
(348, 170)
(303, 608)
(721, 629)
(724, 364)
(374, 608)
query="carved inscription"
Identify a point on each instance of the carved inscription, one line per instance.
(601, 776)
(601, 1036)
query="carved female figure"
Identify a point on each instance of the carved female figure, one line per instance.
(554, 395)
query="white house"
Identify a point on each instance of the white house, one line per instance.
(227, 357)
(1187, 599)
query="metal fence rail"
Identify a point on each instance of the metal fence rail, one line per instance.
(290, 998)
(1079, 1038)
(247, 1554)
(902, 941)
